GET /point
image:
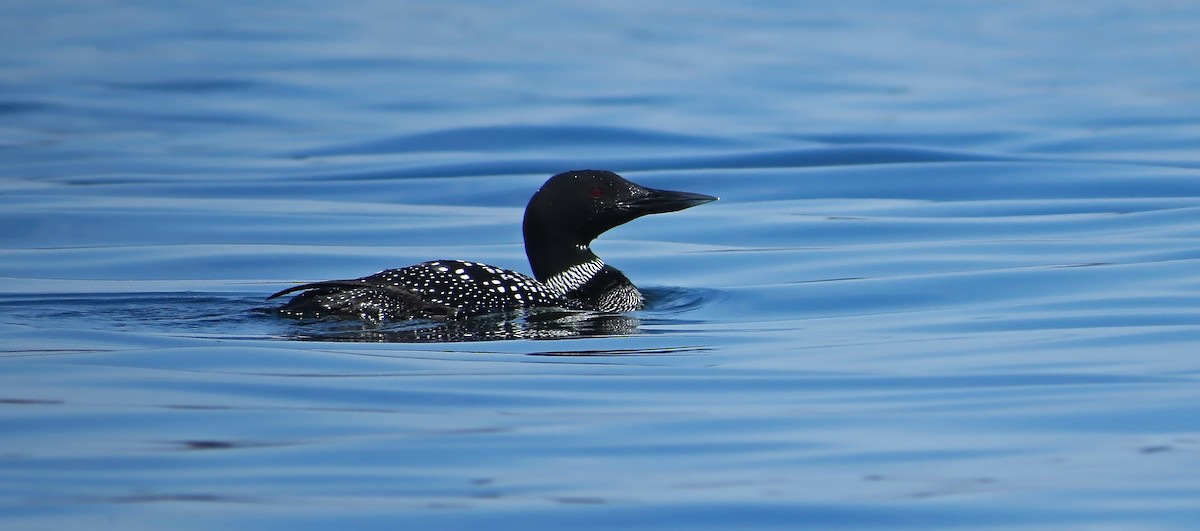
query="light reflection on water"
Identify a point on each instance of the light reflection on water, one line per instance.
(952, 280)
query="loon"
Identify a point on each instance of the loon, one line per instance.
(561, 220)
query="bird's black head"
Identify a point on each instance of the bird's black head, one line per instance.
(575, 207)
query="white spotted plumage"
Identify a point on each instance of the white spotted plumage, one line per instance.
(468, 285)
(459, 287)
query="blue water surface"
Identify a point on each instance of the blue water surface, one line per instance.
(953, 279)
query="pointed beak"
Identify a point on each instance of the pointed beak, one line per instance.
(661, 201)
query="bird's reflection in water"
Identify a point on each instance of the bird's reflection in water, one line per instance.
(664, 305)
(523, 324)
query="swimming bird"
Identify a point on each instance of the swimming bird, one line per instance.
(562, 218)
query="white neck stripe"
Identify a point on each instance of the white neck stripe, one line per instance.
(574, 277)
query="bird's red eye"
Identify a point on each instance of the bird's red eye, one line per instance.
(597, 193)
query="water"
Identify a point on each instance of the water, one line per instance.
(951, 282)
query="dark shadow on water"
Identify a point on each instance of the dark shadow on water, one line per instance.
(741, 159)
(156, 316)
